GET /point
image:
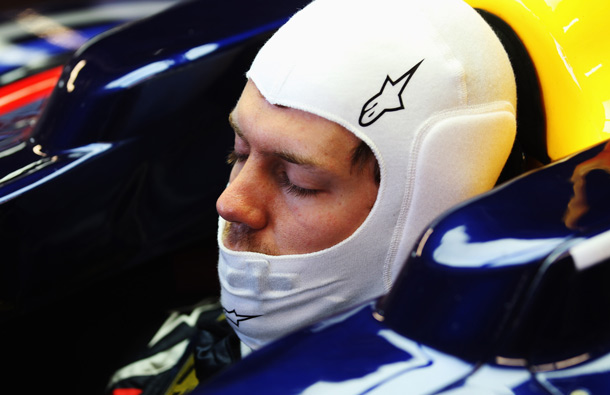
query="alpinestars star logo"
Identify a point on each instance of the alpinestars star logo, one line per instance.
(388, 99)
(237, 318)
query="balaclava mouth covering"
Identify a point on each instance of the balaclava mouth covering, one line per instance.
(428, 86)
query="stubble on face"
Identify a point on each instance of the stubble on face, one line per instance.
(240, 237)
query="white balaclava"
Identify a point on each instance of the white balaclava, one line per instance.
(428, 86)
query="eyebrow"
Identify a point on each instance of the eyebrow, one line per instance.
(236, 128)
(282, 154)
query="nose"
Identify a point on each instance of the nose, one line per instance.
(243, 200)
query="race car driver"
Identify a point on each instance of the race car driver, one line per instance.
(359, 123)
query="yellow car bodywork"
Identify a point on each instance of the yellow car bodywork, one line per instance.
(569, 44)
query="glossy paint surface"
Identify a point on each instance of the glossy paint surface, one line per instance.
(352, 353)
(567, 41)
(484, 262)
(155, 94)
(25, 91)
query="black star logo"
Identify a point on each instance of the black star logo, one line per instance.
(389, 98)
(237, 318)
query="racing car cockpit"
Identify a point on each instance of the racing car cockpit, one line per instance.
(504, 293)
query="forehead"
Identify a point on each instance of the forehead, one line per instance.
(272, 127)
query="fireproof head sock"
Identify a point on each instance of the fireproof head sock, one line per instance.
(428, 86)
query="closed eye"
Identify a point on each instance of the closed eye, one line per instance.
(295, 189)
(235, 157)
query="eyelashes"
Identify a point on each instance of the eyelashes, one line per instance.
(283, 180)
(295, 189)
(235, 157)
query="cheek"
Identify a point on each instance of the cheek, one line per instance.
(345, 216)
(311, 229)
(309, 225)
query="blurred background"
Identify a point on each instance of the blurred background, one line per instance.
(74, 344)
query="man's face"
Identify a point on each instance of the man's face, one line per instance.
(293, 188)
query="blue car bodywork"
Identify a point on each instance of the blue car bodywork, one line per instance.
(116, 182)
(127, 158)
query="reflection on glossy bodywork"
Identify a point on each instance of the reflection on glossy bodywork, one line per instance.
(456, 249)
(23, 92)
(580, 203)
(568, 43)
(347, 354)
(592, 379)
(592, 251)
(66, 161)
